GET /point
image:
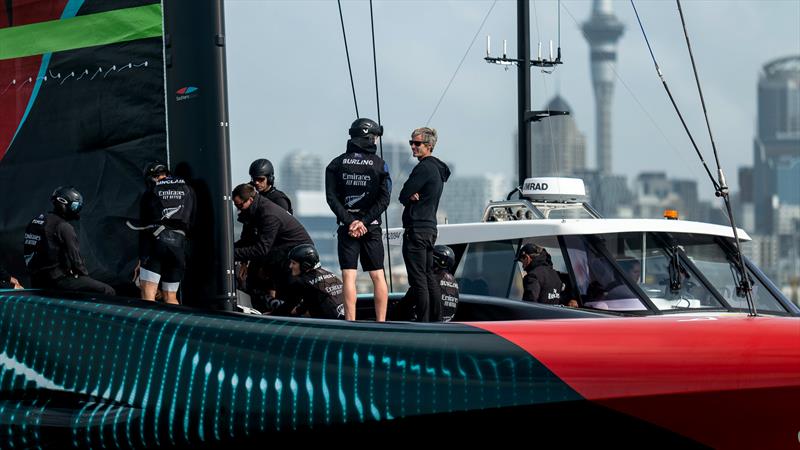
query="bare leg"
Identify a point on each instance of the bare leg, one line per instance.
(170, 297)
(349, 291)
(148, 290)
(381, 294)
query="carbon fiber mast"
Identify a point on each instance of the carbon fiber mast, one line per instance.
(199, 145)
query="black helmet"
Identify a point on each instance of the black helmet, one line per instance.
(155, 169)
(530, 250)
(306, 255)
(363, 127)
(263, 168)
(67, 200)
(443, 257)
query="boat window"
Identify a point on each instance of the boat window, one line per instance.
(715, 264)
(600, 285)
(669, 283)
(563, 211)
(487, 268)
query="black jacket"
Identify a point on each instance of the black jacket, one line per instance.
(170, 202)
(542, 283)
(267, 227)
(427, 179)
(358, 185)
(279, 198)
(318, 292)
(51, 248)
(449, 287)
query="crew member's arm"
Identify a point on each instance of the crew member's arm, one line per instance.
(331, 194)
(72, 252)
(266, 237)
(384, 195)
(531, 289)
(416, 181)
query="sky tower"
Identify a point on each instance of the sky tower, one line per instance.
(602, 31)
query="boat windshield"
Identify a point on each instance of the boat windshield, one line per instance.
(657, 268)
(716, 265)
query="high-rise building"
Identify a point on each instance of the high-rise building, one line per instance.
(776, 149)
(558, 147)
(301, 171)
(602, 31)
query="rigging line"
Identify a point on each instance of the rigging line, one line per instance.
(463, 58)
(380, 143)
(722, 188)
(674, 104)
(639, 103)
(347, 52)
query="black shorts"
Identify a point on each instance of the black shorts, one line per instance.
(167, 257)
(369, 246)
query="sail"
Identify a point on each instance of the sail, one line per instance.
(80, 108)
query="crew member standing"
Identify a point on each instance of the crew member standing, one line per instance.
(541, 282)
(52, 251)
(262, 177)
(312, 290)
(420, 196)
(268, 233)
(358, 189)
(167, 208)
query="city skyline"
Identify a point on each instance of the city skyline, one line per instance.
(476, 119)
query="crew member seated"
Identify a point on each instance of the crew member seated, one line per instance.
(443, 261)
(312, 290)
(541, 283)
(52, 252)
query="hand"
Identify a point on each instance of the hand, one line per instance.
(572, 303)
(15, 283)
(357, 229)
(415, 197)
(242, 274)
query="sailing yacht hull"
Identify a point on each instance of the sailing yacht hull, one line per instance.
(125, 373)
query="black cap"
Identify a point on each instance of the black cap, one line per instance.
(530, 250)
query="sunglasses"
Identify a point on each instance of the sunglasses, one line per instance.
(240, 205)
(416, 143)
(259, 179)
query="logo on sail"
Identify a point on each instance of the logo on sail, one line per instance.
(186, 93)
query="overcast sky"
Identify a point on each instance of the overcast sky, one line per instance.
(289, 88)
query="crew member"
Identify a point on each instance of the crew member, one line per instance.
(541, 282)
(52, 251)
(262, 177)
(420, 196)
(268, 233)
(312, 290)
(167, 209)
(358, 188)
(444, 259)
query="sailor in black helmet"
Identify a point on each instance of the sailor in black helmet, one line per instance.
(358, 188)
(444, 259)
(52, 252)
(313, 290)
(168, 209)
(262, 177)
